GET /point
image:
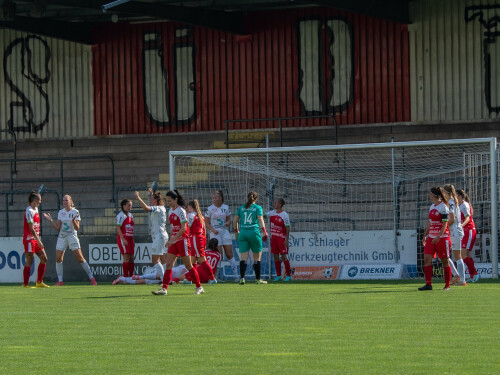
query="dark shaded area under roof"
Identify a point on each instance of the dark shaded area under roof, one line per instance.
(73, 19)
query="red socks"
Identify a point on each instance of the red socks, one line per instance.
(26, 275)
(194, 275)
(287, 268)
(125, 269)
(277, 265)
(470, 265)
(131, 268)
(447, 276)
(167, 277)
(41, 272)
(428, 274)
(208, 270)
(128, 269)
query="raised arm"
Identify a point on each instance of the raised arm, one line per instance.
(144, 206)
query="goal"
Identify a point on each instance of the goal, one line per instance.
(356, 211)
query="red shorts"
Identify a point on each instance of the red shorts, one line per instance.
(181, 248)
(31, 246)
(441, 248)
(278, 245)
(198, 244)
(469, 239)
(129, 249)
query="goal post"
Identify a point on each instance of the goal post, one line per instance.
(357, 204)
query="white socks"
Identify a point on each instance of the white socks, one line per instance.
(461, 269)
(454, 271)
(59, 270)
(86, 268)
(159, 269)
(127, 280)
(148, 276)
(234, 266)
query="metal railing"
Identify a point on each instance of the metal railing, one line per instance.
(61, 179)
(9, 211)
(280, 127)
(14, 140)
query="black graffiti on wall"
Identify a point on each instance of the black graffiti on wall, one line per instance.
(157, 64)
(26, 72)
(489, 17)
(326, 65)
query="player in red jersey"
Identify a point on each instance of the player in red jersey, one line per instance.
(179, 273)
(125, 236)
(213, 256)
(469, 238)
(32, 242)
(437, 238)
(280, 233)
(198, 238)
(178, 244)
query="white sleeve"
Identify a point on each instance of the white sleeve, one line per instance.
(190, 218)
(120, 218)
(182, 215)
(29, 215)
(286, 219)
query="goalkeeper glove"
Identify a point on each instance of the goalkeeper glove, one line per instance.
(264, 234)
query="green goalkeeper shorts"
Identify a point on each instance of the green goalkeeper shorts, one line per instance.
(249, 240)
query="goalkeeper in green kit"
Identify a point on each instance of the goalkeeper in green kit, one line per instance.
(248, 223)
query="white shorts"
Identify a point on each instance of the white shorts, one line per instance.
(68, 240)
(224, 237)
(456, 242)
(158, 247)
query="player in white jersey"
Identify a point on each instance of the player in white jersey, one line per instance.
(280, 233)
(157, 222)
(217, 219)
(456, 235)
(68, 224)
(151, 276)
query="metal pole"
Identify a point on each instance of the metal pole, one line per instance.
(171, 167)
(494, 208)
(7, 212)
(268, 185)
(394, 198)
(113, 4)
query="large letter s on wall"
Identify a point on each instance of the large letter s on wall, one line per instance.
(26, 71)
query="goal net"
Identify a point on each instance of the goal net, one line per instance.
(356, 211)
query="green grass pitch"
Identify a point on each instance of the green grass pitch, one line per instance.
(294, 328)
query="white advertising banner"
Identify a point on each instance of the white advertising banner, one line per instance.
(484, 270)
(110, 253)
(371, 271)
(12, 261)
(353, 247)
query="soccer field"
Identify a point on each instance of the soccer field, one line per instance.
(296, 328)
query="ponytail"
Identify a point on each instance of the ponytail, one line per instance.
(466, 198)
(438, 193)
(33, 195)
(124, 202)
(252, 198)
(196, 206)
(450, 189)
(159, 199)
(175, 195)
